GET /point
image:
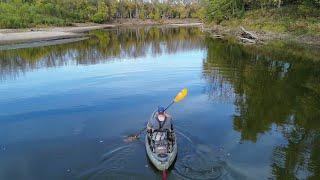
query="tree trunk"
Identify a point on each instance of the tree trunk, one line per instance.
(279, 3)
(137, 12)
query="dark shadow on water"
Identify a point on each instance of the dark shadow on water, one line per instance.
(200, 161)
(271, 86)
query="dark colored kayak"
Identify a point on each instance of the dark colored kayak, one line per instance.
(161, 147)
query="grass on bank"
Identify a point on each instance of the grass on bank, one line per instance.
(22, 15)
(290, 19)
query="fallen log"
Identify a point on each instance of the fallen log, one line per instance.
(248, 35)
(217, 36)
(247, 41)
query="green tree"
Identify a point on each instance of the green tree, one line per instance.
(29, 13)
(102, 14)
(219, 10)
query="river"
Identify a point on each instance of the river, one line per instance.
(66, 109)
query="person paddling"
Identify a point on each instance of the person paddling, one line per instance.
(160, 141)
(160, 122)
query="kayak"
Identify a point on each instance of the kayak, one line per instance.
(161, 147)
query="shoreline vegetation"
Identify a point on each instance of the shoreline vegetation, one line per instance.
(17, 17)
(238, 28)
(41, 13)
(249, 22)
(263, 21)
(259, 37)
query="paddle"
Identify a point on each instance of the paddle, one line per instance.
(181, 95)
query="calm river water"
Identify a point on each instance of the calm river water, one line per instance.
(65, 109)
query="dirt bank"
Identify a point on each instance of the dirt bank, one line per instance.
(217, 31)
(137, 22)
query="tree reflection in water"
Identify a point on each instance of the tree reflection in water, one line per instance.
(267, 86)
(103, 46)
(282, 90)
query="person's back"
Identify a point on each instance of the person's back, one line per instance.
(160, 121)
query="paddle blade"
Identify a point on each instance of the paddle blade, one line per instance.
(182, 94)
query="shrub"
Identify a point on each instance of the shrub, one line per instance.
(98, 17)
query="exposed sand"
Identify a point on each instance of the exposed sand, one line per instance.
(46, 34)
(186, 24)
(81, 28)
(19, 36)
(40, 43)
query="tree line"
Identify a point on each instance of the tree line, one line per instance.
(29, 13)
(220, 10)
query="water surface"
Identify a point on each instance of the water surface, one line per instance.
(65, 109)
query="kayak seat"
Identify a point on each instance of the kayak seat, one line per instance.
(161, 142)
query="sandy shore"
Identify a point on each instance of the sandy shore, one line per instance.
(17, 36)
(21, 37)
(186, 24)
(45, 34)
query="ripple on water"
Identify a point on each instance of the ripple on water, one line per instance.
(114, 163)
(195, 161)
(198, 161)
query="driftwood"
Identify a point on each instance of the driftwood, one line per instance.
(247, 37)
(247, 41)
(217, 36)
(247, 34)
(215, 32)
(242, 35)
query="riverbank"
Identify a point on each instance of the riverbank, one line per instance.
(263, 37)
(290, 23)
(16, 36)
(281, 46)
